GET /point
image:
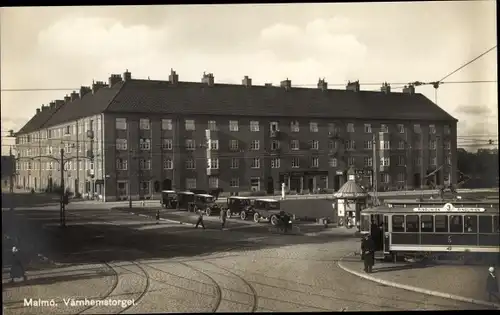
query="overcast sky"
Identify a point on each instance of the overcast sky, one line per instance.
(66, 47)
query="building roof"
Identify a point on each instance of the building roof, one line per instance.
(37, 121)
(350, 190)
(150, 96)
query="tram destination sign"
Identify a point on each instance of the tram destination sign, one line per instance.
(448, 208)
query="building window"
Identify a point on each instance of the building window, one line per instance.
(189, 125)
(432, 145)
(213, 182)
(314, 144)
(332, 162)
(144, 124)
(255, 184)
(214, 145)
(255, 145)
(235, 163)
(166, 124)
(401, 161)
(351, 161)
(233, 145)
(255, 163)
(190, 183)
(234, 182)
(145, 188)
(295, 162)
(368, 128)
(385, 178)
(275, 145)
(350, 145)
(385, 161)
(233, 125)
(274, 126)
(294, 145)
(367, 144)
(448, 160)
(254, 126)
(384, 128)
(447, 145)
(446, 129)
(416, 128)
(145, 144)
(167, 144)
(294, 126)
(212, 125)
(275, 163)
(432, 129)
(385, 145)
(350, 127)
(417, 161)
(167, 164)
(121, 144)
(313, 126)
(332, 144)
(433, 161)
(190, 164)
(401, 145)
(401, 128)
(368, 162)
(145, 164)
(67, 130)
(121, 123)
(190, 144)
(213, 163)
(315, 162)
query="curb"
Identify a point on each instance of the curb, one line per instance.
(415, 289)
(162, 219)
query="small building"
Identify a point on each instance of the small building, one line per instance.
(350, 199)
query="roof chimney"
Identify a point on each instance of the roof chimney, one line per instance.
(84, 90)
(287, 84)
(386, 88)
(52, 105)
(113, 79)
(74, 96)
(410, 89)
(67, 99)
(59, 103)
(322, 84)
(247, 81)
(208, 79)
(353, 86)
(38, 111)
(44, 108)
(173, 77)
(127, 76)
(97, 85)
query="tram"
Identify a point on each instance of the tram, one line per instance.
(423, 228)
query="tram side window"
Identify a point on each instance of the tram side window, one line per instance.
(495, 224)
(412, 223)
(441, 223)
(485, 224)
(427, 223)
(470, 224)
(365, 223)
(456, 224)
(398, 223)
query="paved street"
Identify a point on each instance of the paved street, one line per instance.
(170, 267)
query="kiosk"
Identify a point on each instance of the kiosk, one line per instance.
(350, 199)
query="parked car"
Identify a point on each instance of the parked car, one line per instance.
(168, 199)
(185, 200)
(241, 206)
(268, 209)
(207, 203)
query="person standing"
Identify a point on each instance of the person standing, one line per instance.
(368, 253)
(492, 285)
(17, 268)
(223, 218)
(200, 219)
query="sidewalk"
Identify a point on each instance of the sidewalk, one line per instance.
(462, 283)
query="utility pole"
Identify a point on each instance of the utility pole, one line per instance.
(11, 179)
(375, 168)
(62, 214)
(129, 166)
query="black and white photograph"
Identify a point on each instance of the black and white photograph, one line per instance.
(266, 157)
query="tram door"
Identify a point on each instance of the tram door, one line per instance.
(386, 234)
(377, 231)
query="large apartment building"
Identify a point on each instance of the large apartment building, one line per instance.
(188, 135)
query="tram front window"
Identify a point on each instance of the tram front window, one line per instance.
(496, 227)
(456, 224)
(412, 223)
(441, 223)
(365, 223)
(485, 224)
(398, 223)
(470, 224)
(427, 224)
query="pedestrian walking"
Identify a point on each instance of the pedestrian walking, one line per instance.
(17, 268)
(200, 219)
(492, 285)
(157, 216)
(223, 218)
(368, 253)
